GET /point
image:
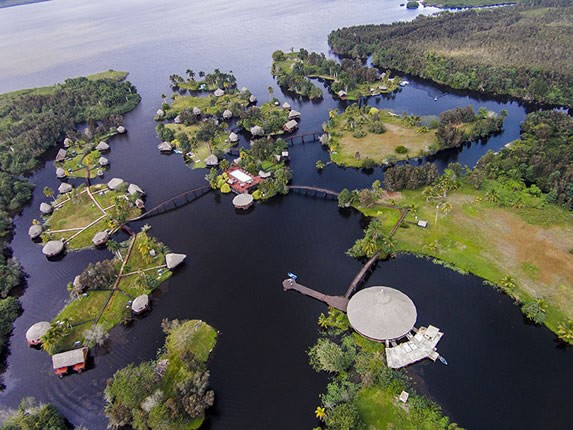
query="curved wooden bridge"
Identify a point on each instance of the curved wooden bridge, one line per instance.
(314, 191)
(175, 202)
(304, 138)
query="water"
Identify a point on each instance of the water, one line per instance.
(502, 373)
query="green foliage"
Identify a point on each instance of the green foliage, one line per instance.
(376, 127)
(410, 177)
(535, 310)
(374, 241)
(9, 311)
(412, 5)
(401, 149)
(520, 59)
(99, 275)
(329, 357)
(34, 416)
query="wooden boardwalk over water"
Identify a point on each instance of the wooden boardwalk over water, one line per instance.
(314, 191)
(304, 138)
(338, 302)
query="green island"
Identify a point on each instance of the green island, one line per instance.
(84, 211)
(31, 414)
(171, 392)
(363, 393)
(366, 136)
(100, 297)
(28, 128)
(455, 4)
(347, 80)
(206, 82)
(507, 221)
(201, 122)
(507, 50)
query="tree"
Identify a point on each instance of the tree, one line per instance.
(95, 336)
(270, 91)
(565, 331)
(48, 192)
(330, 357)
(191, 74)
(114, 246)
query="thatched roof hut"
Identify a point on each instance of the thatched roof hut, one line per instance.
(257, 130)
(121, 129)
(133, 189)
(65, 188)
(252, 99)
(35, 231)
(115, 183)
(165, 147)
(243, 201)
(173, 260)
(68, 142)
(140, 304)
(264, 175)
(290, 126)
(286, 105)
(60, 173)
(75, 357)
(177, 119)
(77, 282)
(219, 92)
(61, 155)
(139, 203)
(342, 94)
(196, 111)
(160, 112)
(53, 248)
(103, 161)
(102, 146)
(100, 238)
(36, 332)
(46, 208)
(227, 114)
(293, 114)
(233, 137)
(211, 160)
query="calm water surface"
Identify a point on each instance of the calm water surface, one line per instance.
(503, 373)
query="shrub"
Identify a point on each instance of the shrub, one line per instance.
(226, 188)
(376, 127)
(412, 5)
(368, 163)
(401, 149)
(359, 133)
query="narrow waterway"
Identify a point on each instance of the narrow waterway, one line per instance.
(503, 373)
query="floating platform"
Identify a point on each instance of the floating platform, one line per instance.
(418, 347)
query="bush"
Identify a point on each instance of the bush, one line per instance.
(401, 149)
(534, 311)
(376, 127)
(412, 5)
(226, 188)
(368, 163)
(359, 133)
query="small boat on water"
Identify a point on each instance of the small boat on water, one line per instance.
(292, 275)
(443, 360)
(404, 83)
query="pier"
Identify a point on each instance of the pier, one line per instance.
(314, 192)
(337, 302)
(304, 138)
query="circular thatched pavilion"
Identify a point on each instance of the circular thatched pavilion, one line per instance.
(381, 313)
(243, 201)
(35, 333)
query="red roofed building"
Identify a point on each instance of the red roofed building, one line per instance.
(242, 181)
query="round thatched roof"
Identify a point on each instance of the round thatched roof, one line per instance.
(160, 112)
(177, 119)
(133, 188)
(219, 92)
(211, 160)
(103, 161)
(53, 248)
(252, 99)
(196, 111)
(257, 130)
(243, 200)
(35, 332)
(35, 231)
(227, 114)
(140, 303)
(67, 142)
(165, 147)
(233, 137)
(102, 146)
(100, 238)
(60, 173)
(381, 313)
(65, 188)
(121, 129)
(46, 208)
(115, 183)
(293, 114)
(286, 105)
(173, 260)
(263, 174)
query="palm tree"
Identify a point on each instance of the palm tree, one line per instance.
(320, 413)
(114, 246)
(565, 331)
(323, 321)
(191, 74)
(508, 284)
(48, 192)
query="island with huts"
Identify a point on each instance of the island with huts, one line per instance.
(85, 216)
(205, 118)
(365, 136)
(347, 80)
(105, 294)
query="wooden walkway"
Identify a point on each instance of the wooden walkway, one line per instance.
(175, 202)
(360, 276)
(314, 191)
(304, 138)
(338, 302)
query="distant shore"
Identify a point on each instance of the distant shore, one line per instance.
(11, 3)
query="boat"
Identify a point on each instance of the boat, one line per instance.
(443, 360)
(404, 83)
(292, 275)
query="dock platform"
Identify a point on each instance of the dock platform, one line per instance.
(338, 302)
(421, 345)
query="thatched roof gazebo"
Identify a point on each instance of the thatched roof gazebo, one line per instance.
(227, 114)
(60, 173)
(381, 313)
(121, 129)
(140, 304)
(177, 119)
(286, 106)
(35, 231)
(100, 238)
(46, 208)
(103, 162)
(68, 142)
(140, 204)
(173, 260)
(135, 189)
(257, 130)
(243, 201)
(196, 111)
(290, 126)
(115, 183)
(219, 92)
(65, 188)
(165, 147)
(293, 114)
(53, 248)
(264, 175)
(35, 333)
(252, 99)
(160, 113)
(233, 137)
(211, 160)
(61, 155)
(102, 146)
